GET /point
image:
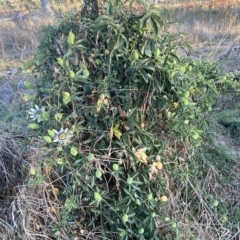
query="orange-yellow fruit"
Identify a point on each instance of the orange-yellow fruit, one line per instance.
(164, 199)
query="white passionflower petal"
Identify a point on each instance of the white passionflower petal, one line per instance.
(62, 136)
(36, 113)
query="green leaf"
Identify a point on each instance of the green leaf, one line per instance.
(110, 8)
(45, 115)
(120, 41)
(58, 116)
(51, 133)
(74, 151)
(116, 132)
(60, 161)
(85, 72)
(71, 38)
(33, 126)
(97, 197)
(125, 218)
(154, 25)
(143, 20)
(175, 56)
(144, 75)
(147, 49)
(60, 61)
(66, 97)
(47, 139)
(158, 20)
(28, 84)
(29, 97)
(102, 18)
(72, 74)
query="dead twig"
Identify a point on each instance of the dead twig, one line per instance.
(233, 48)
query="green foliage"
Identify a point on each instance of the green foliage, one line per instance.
(113, 93)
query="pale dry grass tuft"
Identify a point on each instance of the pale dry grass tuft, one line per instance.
(212, 31)
(11, 162)
(18, 39)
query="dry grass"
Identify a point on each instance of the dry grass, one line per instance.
(11, 162)
(21, 25)
(211, 27)
(18, 39)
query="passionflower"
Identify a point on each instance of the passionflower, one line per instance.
(36, 113)
(62, 136)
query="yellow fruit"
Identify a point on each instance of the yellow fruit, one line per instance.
(159, 165)
(186, 121)
(164, 199)
(141, 231)
(224, 219)
(176, 105)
